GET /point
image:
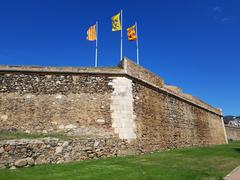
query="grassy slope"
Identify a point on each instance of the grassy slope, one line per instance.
(190, 163)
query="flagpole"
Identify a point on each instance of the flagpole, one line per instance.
(137, 43)
(121, 49)
(96, 55)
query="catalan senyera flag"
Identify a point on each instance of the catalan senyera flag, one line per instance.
(116, 22)
(131, 33)
(91, 33)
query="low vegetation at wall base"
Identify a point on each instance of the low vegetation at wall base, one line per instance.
(213, 162)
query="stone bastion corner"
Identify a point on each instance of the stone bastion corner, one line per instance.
(113, 111)
(127, 101)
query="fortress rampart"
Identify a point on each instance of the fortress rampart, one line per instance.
(128, 103)
(233, 133)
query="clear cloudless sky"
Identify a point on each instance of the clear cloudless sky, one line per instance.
(193, 44)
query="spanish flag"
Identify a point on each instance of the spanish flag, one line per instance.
(131, 32)
(91, 33)
(116, 22)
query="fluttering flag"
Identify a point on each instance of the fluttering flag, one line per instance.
(91, 33)
(116, 22)
(131, 33)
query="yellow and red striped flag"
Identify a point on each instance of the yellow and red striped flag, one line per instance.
(131, 32)
(91, 33)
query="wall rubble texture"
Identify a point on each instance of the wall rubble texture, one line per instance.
(233, 133)
(126, 102)
(163, 121)
(45, 103)
(24, 152)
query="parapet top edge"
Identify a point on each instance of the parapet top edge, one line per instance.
(49, 69)
(118, 70)
(202, 106)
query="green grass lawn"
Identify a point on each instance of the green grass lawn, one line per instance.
(191, 163)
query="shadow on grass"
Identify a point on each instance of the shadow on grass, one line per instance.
(236, 149)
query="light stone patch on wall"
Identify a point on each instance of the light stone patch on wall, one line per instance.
(3, 117)
(122, 108)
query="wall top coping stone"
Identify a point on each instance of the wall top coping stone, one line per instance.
(126, 68)
(72, 70)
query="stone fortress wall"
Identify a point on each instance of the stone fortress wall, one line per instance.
(233, 133)
(127, 103)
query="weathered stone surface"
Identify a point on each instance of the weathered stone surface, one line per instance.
(165, 122)
(21, 163)
(233, 133)
(174, 89)
(100, 121)
(70, 126)
(140, 73)
(1, 150)
(65, 144)
(41, 159)
(59, 150)
(123, 118)
(96, 143)
(30, 161)
(104, 108)
(45, 151)
(43, 103)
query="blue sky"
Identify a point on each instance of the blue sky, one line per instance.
(193, 44)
